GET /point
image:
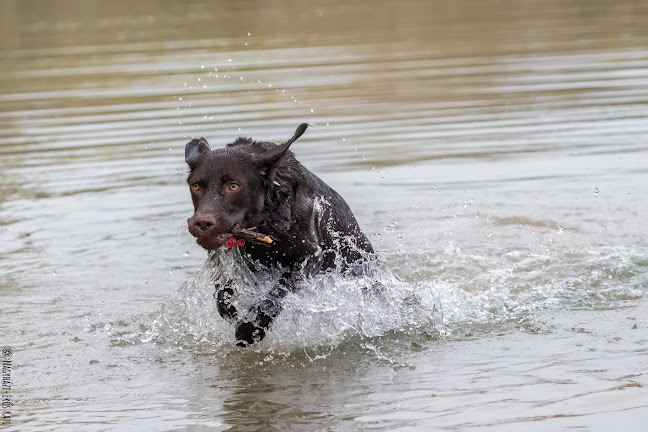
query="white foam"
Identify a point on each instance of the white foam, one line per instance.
(488, 293)
(324, 311)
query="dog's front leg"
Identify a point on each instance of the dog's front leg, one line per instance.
(264, 313)
(223, 295)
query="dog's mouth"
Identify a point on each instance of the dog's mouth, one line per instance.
(210, 242)
(235, 236)
(210, 238)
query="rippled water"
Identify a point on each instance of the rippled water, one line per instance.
(494, 152)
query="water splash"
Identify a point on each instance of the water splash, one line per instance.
(327, 310)
(331, 312)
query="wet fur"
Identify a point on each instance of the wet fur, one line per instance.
(312, 226)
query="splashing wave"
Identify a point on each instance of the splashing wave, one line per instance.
(332, 309)
(326, 310)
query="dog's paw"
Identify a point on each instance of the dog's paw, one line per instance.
(248, 333)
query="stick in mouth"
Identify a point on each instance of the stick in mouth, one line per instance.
(250, 234)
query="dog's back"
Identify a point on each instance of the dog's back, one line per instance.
(314, 227)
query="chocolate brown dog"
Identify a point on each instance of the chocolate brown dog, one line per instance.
(261, 187)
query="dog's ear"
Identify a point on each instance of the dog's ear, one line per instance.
(271, 157)
(194, 150)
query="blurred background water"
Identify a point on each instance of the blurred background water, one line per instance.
(495, 151)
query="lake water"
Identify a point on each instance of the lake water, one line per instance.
(495, 152)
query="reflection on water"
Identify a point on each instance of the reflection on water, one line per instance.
(492, 150)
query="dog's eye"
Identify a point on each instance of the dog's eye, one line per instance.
(234, 187)
(195, 187)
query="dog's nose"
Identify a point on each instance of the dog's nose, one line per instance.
(204, 221)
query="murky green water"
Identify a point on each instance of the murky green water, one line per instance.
(495, 152)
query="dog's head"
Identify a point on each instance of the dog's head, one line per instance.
(229, 186)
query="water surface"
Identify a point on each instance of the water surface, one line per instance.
(494, 152)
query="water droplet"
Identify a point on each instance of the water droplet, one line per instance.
(202, 66)
(596, 191)
(248, 33)
(390, 228)
(561, 229)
